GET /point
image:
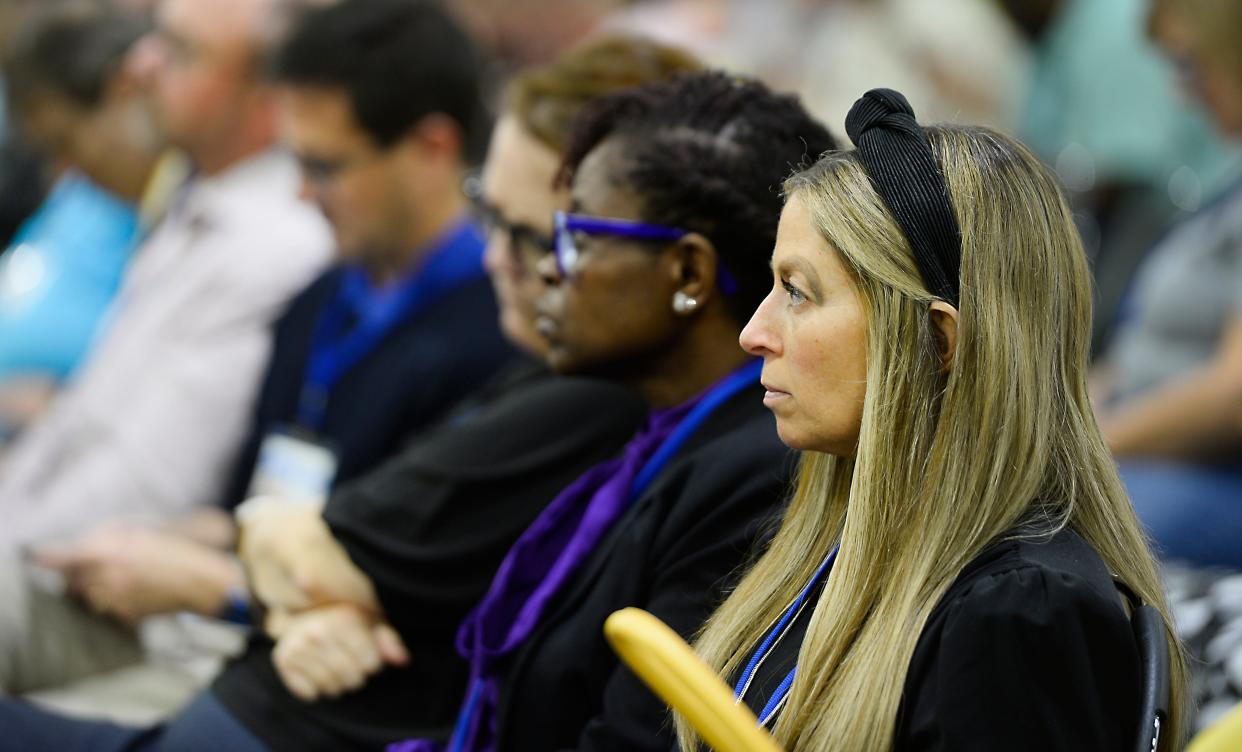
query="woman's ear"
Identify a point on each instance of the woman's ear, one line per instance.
(693, 267)
(944, 324)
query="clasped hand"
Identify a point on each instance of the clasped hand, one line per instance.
(322, 610)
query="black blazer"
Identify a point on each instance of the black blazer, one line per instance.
(672, 553)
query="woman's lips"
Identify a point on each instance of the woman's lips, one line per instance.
(546, 326)
(773, 395)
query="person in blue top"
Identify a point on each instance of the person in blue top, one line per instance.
(380, 104)
(73, 96)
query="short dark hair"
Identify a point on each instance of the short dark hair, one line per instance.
(708, 152)
(398, 61)
(71, 50)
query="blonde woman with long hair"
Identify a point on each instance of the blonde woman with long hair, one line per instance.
(946, 576)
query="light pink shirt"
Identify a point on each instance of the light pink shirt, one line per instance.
(151, 423)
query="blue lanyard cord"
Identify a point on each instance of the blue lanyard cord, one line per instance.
(778, 696)
(336, 347)
(458, 739)
(746, 376)
(753, 665)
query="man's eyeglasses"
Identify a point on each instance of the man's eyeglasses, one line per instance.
(526, 243)
(324, 172)
(568, 255)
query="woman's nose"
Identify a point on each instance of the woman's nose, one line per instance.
(759, 337)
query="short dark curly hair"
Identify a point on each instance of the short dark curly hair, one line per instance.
(708, 152)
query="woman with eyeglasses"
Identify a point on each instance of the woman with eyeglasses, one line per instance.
(959, 566)
(659, 261)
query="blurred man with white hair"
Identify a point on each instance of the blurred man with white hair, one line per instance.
(152, 422)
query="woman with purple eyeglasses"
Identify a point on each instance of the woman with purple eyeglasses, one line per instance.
(661, 259)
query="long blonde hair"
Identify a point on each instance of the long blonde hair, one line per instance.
(946, 462)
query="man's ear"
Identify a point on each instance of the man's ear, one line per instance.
(944, 323)
(436, 136)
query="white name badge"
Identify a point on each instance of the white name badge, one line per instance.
(293, 468)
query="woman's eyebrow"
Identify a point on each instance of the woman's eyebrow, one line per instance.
(806, 269)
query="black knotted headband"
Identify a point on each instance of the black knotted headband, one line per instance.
(898, 158)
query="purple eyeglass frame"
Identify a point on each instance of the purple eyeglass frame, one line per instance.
(565, 224)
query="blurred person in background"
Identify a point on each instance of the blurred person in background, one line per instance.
(154, 418)
(430, 526)
(385, 165)
(157, 412)
(960, 60)
(1102, 108)
(1170, 390)
(23, 176)
(72, 93)
(373, 349)
(521, 33)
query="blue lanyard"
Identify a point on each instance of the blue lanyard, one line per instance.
(744, 377)
(457, 741)
(336, 347)
(782, 689)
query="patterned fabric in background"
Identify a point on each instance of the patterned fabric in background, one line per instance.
(1207, 610)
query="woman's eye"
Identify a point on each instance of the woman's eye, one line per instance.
(794, 294)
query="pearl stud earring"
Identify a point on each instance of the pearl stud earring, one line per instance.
(683, 303)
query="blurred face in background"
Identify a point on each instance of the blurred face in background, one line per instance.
(200, 66)
(93, 138)
(515, 199)
(1208, 61)
(54, 124)
(360, 186)
(1221, 91)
